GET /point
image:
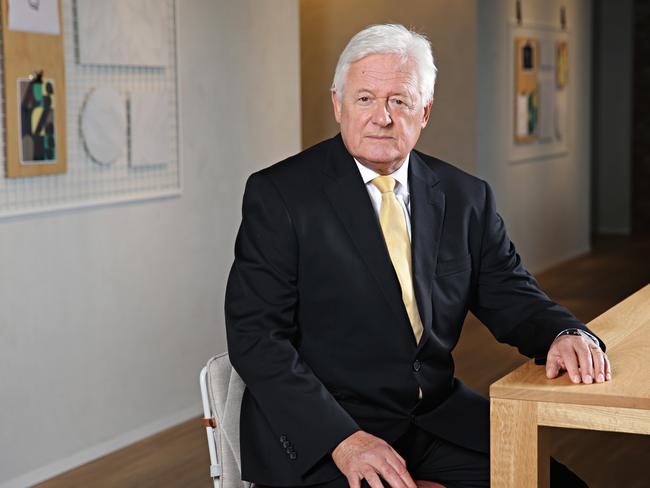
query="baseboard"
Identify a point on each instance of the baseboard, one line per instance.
(82, 457)
(557, 260)
(620, 231)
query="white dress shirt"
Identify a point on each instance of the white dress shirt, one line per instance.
(401, 189)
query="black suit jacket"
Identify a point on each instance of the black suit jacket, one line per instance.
(317, 328)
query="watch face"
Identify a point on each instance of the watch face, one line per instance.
(582, 333)
(570, 332)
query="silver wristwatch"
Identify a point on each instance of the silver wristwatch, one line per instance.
(578, 332)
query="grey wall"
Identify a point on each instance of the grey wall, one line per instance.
(545, 203)
(613, 116)
(108, 314)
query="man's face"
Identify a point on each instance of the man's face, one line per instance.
(381, 112)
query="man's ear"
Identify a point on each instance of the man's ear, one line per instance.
(426, 114)
(336, 104)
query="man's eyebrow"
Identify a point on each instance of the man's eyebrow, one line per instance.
(394, 94)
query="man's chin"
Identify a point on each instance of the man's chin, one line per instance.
(383, 167)
(381, 159)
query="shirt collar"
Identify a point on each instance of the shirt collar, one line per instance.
(401, 175)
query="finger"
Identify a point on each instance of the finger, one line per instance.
(373, 479)
(400, 458)
(585, 361)
(400, 471)
(553, 361)
(608, 368)
(570, 361)
(396, 461)
(354, 480)
(598, 362)
(552, 366)
(393, 479)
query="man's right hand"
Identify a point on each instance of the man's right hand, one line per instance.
(364, 456)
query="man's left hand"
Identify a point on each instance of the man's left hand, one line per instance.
(580, 357)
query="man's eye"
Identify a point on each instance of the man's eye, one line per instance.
(364, 99)
(397, 101)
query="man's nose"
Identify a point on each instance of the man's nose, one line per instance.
(381, 115)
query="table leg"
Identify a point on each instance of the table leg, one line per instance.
(519, 449)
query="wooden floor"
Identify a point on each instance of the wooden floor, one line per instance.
(587, 285)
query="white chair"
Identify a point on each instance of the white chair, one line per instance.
(221, 391)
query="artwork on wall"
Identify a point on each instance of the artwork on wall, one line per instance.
(82, 146)
(103, 125)
(37, 121)
(149, 123)
(540, 92)
(39, 16)
(527, 97)
(33, 75)
(123, 33)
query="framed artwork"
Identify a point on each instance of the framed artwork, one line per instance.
(527, 93)
(540, 92)
(34, 86)
(37, 121)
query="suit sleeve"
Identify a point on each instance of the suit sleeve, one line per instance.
(262, 331)
(507, 299)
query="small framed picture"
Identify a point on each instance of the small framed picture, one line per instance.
(36, 101)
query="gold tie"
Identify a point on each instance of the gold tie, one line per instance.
(393, 225)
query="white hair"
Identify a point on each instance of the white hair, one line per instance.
(389, 39)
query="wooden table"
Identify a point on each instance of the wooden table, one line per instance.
(524, 403)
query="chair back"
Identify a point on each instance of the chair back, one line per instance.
(224, 390)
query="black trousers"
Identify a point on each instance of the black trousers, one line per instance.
(433, 459)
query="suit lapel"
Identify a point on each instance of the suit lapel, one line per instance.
(349, 197)
(427, 213)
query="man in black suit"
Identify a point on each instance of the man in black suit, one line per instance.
(356, 263)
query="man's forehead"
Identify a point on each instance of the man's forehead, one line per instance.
(379, 75)
(384, 68)
(381, 82)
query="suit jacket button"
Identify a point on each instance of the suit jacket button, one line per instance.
(293, 456)
(417, 365)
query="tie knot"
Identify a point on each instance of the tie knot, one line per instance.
(385, 184)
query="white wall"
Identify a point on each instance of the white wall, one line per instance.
(107, 314)
(613, 116)
(545, 203)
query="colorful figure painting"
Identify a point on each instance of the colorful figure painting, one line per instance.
(37, 128)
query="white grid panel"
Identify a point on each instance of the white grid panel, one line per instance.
(86, 182)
